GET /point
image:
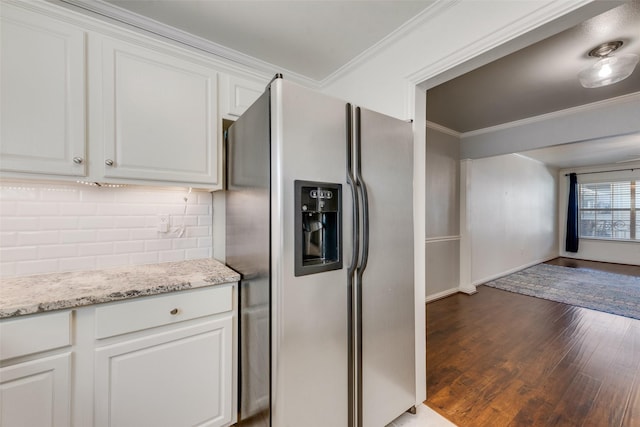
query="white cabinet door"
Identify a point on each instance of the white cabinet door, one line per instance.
(180, 378)
(42, 116)
(36, 393)
(159, 116)
(237, 94)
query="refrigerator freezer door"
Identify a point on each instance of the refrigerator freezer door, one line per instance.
(309, 313)
(247, 252)
(387, 289)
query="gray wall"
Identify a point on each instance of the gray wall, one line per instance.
(442, 213)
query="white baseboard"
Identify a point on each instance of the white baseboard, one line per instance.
(442, 294)
(512, 270)
(469, 291)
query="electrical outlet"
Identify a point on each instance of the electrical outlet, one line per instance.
(163, 223)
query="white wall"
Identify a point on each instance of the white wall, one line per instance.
(591, 249)
(513, 216)
(48, 228)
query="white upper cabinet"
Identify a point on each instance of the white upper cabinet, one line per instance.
(159, 119)
(42, 117)
(237, 94)
(88, 100)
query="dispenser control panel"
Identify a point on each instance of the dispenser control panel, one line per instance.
(318, 227)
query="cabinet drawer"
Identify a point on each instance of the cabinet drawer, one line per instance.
(131, 316)
(33, 334)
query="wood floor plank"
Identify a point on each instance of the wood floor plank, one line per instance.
(502, 359)
(574, 406)
(632, 411)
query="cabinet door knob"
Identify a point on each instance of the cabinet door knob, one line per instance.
(174, 311)
(78, 160)
(108, 162)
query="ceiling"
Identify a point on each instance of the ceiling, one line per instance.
(307, 37)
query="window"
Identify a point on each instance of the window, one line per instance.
(608, 210)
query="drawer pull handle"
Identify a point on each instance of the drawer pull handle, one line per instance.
(174, 311)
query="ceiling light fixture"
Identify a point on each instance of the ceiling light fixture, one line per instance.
(609, 69)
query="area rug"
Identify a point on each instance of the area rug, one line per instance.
(612, 293)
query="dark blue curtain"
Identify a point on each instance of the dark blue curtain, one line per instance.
(572, 215)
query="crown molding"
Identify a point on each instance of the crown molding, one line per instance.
(549, 11)
(443, 129)
(116, 13)
(427, 14)
(630, 97)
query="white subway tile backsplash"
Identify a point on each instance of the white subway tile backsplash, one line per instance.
(48, 228)
(109, 261)
(26, 268)
(96, 222)
(144, 233)
(111, 209)
(112, 235)
(8, 238)
(78, 236)
(184, 243)
(58, 251)
(28, 238)
(157, 245)
(58, 223)
(16, 223)
(18, 253)
(129, 247)
(95, 249)
(199, 231)
(169, 256)
(60, 194)
(205, 220)
(199, 210)
(198, 253)
(205, 242)
(19, 192)
(73, 209)
(37, 209)
(77, 264)
(205, 198)
(144, 258)
(8, 208)
(99, 195)
(7, 269)
(130, 221)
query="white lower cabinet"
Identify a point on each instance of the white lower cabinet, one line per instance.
(36, 370)
(176, 378)
(36, 393)
(163, 361)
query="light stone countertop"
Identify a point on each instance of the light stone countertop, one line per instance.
(47, 292)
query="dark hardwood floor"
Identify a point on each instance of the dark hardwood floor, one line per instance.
(498, 358)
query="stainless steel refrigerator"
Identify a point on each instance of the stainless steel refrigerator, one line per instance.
(319, 224)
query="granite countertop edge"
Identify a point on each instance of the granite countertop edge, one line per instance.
(41, 293)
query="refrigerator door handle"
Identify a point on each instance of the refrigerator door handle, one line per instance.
(352, 335)
(353, 184)
(362, 186)
(362, 265)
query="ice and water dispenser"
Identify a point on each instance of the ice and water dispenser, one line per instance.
(318, 227)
